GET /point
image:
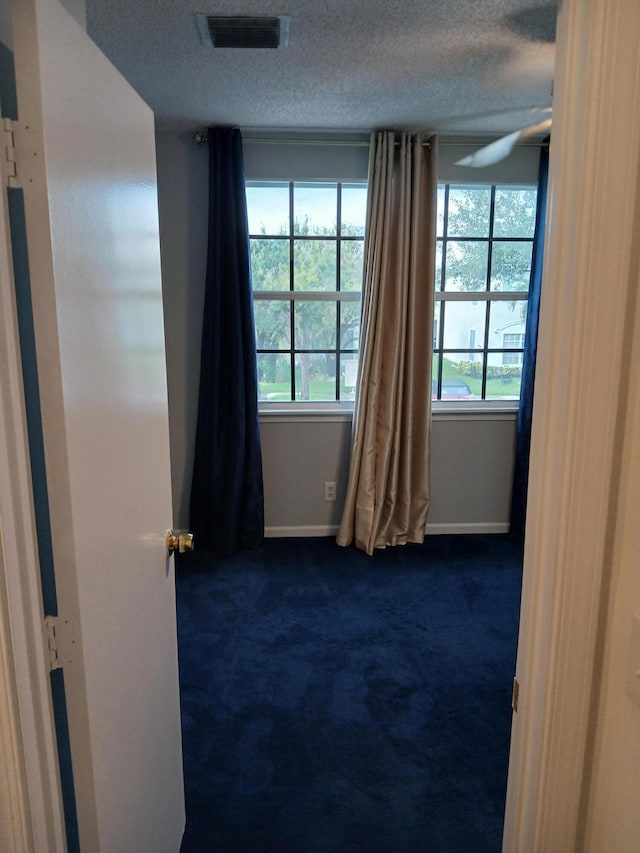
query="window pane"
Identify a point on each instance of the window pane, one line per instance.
(315, 208)
(314, 265)
(435, 361)
(438, 317)
(351, 263)
(440, 211)
(354, 209)
(349, 325)
(506, 318)
(461, 377)
(434, 377)
(503, 380)
(315, 325)
(348, 375)
(270, 264)
(515, 212)
(512, 358)
(512, 340)
(469, 209)
(438, 282)
(316, 376)
(466, 265)
(273, 329)
(510, 266)
(268, 208)
(464, 325)
(318, 333)
(274, 377)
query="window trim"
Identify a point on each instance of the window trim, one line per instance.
(307, 296)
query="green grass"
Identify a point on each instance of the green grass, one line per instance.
(322, 390)
(496, 388)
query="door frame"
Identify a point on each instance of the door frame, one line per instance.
(578, 421)
(32, 803)
(571, 496)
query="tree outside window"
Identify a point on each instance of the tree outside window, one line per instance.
(307, 251)
(483, 264)
(306, 258)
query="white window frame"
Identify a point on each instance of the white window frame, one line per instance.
(296, 296)
(333, 157)
(487, 296)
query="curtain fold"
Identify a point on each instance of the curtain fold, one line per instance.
(227, 506)
(387, 496)
(525, 408)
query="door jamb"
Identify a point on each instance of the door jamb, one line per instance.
(579, 407)
(33, 805)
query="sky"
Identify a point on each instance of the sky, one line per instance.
(268, 206)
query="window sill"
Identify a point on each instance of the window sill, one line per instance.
(343, 413)
(473, 412)
(306, 412)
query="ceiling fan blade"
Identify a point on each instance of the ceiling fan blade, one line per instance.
(492, 153)
(533, 129)
(501, 148)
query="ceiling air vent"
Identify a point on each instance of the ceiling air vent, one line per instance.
(244, 31)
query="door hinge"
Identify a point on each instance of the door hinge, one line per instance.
(60, 641)
(51, 625)
(9, 166)
(514, 695)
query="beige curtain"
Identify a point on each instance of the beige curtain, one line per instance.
(388, 491)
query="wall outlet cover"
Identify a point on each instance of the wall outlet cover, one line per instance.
(329, 491)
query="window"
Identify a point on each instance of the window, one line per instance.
(307, 242)
(509, 342)
(307, 248)
(483, 262)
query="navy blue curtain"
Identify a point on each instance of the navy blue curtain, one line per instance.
(227, 506)
(525, 409)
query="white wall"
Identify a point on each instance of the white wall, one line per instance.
(183, 201)
(472, 457)
(299, 456)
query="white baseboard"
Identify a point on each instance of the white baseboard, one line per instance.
(474, 527)
(432, 529)
(303, 530)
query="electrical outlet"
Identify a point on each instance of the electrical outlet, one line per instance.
(329, 491)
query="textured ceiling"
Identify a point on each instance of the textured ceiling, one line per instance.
(458, 66)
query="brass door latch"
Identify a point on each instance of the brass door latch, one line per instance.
(180, 542)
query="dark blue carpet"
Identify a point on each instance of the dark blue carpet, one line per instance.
(333, 702)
